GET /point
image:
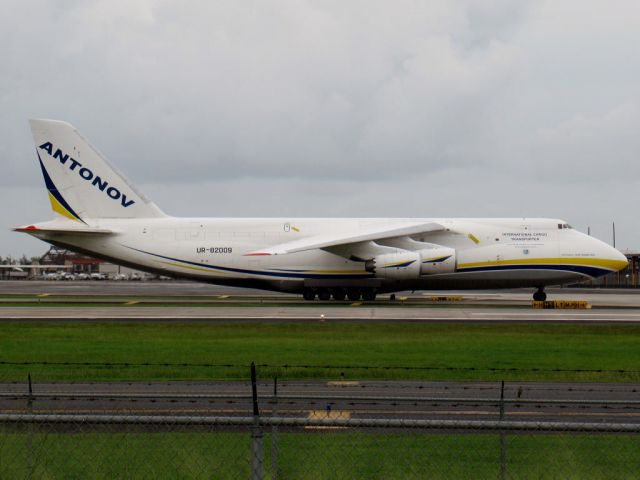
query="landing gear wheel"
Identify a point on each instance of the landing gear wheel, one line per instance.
(339, 294)
(369, 295)
(324, 294)
(540, 296)
(353, 294)
(308, 294)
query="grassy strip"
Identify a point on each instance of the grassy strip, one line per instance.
(456, 351)
(314, 455)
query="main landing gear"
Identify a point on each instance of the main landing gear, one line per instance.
(353, 294)
(539, 295)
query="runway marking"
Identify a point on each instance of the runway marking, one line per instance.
(222, 297)
(343, 383)
(332, 414)
(43, 295)
(329, 415)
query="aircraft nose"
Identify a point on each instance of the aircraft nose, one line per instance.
(618, 259)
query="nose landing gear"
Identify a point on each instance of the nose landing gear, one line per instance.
(539, 295)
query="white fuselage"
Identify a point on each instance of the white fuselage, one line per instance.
(489, 253)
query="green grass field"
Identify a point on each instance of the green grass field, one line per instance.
(453, 351)
(316, 455)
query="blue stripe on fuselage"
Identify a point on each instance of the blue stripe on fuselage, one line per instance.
(255, 272)
(590, 271)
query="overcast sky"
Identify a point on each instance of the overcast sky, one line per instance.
(334, 108)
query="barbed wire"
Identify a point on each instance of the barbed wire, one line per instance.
(305, 404)
(325, 367)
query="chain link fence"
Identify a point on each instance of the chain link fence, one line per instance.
(148, 446)
(317, 430)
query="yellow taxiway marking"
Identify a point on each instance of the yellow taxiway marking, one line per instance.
(222, 297)
(329, 415)
(132, 302)
(562, 304)
(356, 304)
(43, 295)
(446, 298)
(343, 383)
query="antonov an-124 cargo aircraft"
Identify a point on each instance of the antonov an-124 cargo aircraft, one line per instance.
(99, 213)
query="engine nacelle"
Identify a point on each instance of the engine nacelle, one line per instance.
(404, 265)
(437, 260)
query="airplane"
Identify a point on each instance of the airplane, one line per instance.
(98, 212)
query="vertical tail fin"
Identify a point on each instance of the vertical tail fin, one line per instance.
(80, 181)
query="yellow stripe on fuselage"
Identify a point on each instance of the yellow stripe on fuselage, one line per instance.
(613, 265)
(193, 267)
(346, 272)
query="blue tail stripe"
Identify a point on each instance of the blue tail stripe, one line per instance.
(55, 192)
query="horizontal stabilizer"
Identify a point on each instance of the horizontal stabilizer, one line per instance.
(35, 229)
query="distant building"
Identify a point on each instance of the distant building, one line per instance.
(79, 263)
(627, 278)
(83, 264)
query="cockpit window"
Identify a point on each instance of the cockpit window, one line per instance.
(563, 226)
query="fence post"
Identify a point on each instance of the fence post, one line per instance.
(256, 431)
(30, 461)
(503, 452)
(274, 432)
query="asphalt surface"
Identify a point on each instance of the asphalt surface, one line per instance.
(182, 288)
(145, 301)
(539, 401)
(360, 314)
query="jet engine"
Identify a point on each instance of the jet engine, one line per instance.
(404, 265)
(409, 265)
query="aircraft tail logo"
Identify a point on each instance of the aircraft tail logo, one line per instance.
(80, 182)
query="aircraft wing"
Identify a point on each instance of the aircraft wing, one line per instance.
(327, 241)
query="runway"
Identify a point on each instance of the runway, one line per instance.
(190, 302)
(313, 314)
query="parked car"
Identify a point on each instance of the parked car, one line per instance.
(82, 276)
(120, 276)
(98, 276)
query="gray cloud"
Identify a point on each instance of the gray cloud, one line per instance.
(473, 108)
